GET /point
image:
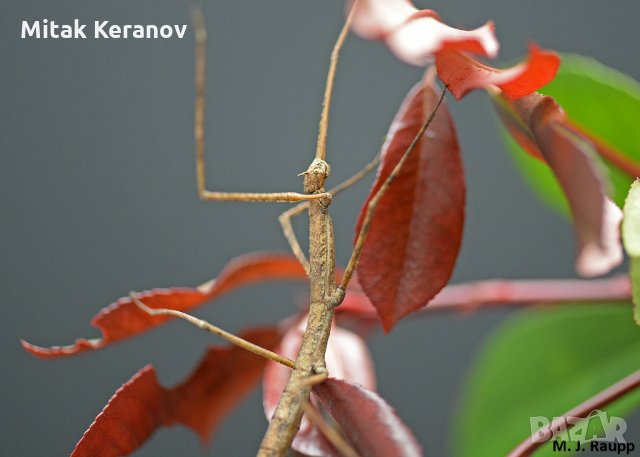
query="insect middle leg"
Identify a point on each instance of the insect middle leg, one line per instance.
(285, 218)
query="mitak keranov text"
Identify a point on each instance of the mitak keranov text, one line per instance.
(100, 29)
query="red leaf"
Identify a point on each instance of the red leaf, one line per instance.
(123, 319)
(370, 424)
(347, 357)
(571, 156)
(142, 405)
(415, 36)
(415, 234)
(418, 36)
(463, 74)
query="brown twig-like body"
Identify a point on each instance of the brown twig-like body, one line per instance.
(324, 297)
(320, 266)
(285, 218)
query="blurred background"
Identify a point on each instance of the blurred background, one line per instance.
(97, 190)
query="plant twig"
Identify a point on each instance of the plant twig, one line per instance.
(230, 337)
(598, 401)
(502, 292)
(373, 203)
(494, 293)
(328, 431)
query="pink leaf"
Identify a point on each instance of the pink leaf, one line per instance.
(123, 319)
(347, 357)
(416, 230)
(415, 36)
(370, 424)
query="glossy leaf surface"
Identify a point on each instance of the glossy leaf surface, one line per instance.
(368, 421)
(543, 362)
(545, 130)
(416, 230)
(605, 104)
(463, 74)
(631, 239)
(415, 36)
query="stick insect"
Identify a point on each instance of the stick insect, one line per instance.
(325, 292)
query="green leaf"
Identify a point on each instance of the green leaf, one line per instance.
(631, 240)
(634, 275)
(543, 362)
(605, 103)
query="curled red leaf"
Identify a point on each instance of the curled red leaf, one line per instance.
(370, 424)
(142, 405)
(415, 36)
(416, 230)
(463, 74)
(347, 357)
(540, 125)
(123, 319)
(419, 36)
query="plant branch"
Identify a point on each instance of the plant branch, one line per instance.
(373, 203)
(204, 325)
(600, 400)
(503, 292)
(495, 293)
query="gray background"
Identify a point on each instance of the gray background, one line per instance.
(98, 193)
